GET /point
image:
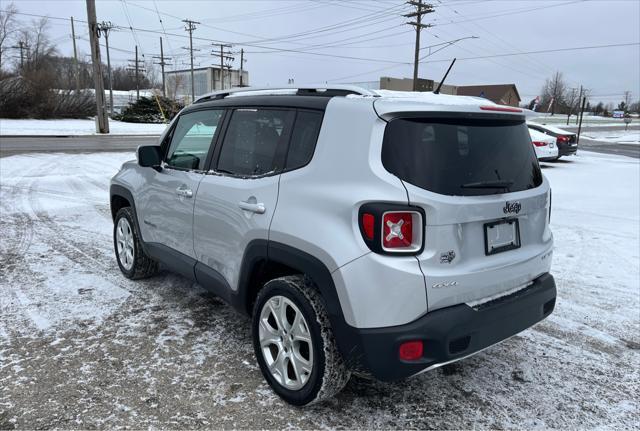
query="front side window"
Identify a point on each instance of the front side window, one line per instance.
(461, 156)
(192, 138)
(254, 141)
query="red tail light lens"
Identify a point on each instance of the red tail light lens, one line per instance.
(539, 143)
(563, 139)
(401, 231)
(368, 225)
(411, 350)
(500, 108)
(392, 228)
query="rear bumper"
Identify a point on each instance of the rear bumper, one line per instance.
(451, 333)
(567, 150)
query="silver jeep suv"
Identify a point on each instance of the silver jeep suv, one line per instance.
(377, 233)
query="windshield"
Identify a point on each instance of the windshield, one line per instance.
(461, 156)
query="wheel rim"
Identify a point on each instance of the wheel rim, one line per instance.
(124, 243)
(285, 342)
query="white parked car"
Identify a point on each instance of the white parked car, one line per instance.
(545, 145)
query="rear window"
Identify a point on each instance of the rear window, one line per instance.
(464, 157)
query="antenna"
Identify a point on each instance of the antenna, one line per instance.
(444, 77)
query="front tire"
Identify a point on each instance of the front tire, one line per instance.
(132, 260)
(294, 343)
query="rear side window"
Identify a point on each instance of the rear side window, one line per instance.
(192, 138)
(463, 157)
(255, 141)
(303, 139)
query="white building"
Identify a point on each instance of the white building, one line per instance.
(205, 80)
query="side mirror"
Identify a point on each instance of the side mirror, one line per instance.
(149, 156)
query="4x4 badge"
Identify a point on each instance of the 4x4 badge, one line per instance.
(448, 256)
(512, 207)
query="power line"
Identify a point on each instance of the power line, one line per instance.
(542, 51)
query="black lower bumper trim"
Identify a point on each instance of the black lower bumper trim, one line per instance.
(451, 333)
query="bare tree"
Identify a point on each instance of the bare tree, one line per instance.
(39, 47)
(7, 28)
(554, 93)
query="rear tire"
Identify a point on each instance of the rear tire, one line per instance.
(301, 372)
(132, 260)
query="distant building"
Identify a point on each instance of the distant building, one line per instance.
(504, 94)
(205, 80)
(406, 84)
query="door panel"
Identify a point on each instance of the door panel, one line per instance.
(168, 201)
(168, 210)
(222, 228)
(235, 205)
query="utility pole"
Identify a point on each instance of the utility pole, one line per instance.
(578, 105)
(102, 125)
(21, 46)
(134, 66)
(105, 28)
(241, 67)
(162, 64)
(75, 57)
(421, 9)
(190, 27)
(224, 55)
(584, 101)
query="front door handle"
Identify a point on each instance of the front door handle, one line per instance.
(257, 208)
(184, 192)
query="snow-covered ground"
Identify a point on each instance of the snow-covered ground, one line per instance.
(614, 136)
(74, 127)
(83, 347)
(588, 120)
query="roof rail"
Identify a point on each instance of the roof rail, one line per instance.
(326, 91)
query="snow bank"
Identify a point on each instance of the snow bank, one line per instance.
(74, 127)
(614, 136)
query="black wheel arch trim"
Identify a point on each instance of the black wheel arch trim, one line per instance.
(121, 191)
(262, 251)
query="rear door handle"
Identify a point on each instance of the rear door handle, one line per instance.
(257, 208)
(185, 192)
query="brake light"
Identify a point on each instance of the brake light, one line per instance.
(539, 143)
(368, 223)
(500, 108)
(411, 350)
(401, 231)
(563, 139)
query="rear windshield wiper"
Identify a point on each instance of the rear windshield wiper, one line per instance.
(498, 184)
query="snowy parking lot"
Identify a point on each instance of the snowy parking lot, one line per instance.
(83, 347)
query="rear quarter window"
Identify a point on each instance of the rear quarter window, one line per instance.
(462, 156)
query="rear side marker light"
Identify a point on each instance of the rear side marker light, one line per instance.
(500, 109)
(368, 225)
(411, 350)
(539, 144)
(401, 231)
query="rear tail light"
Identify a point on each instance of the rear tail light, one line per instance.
(401, 231)
(411, 350)
(392, 229)
(368, 225)
(539, 143)
(563, 139)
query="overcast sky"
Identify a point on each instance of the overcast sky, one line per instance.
(361, 40)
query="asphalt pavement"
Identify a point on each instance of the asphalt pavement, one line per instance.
(10, 145)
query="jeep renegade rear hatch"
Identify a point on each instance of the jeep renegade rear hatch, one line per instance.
(462, 156)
